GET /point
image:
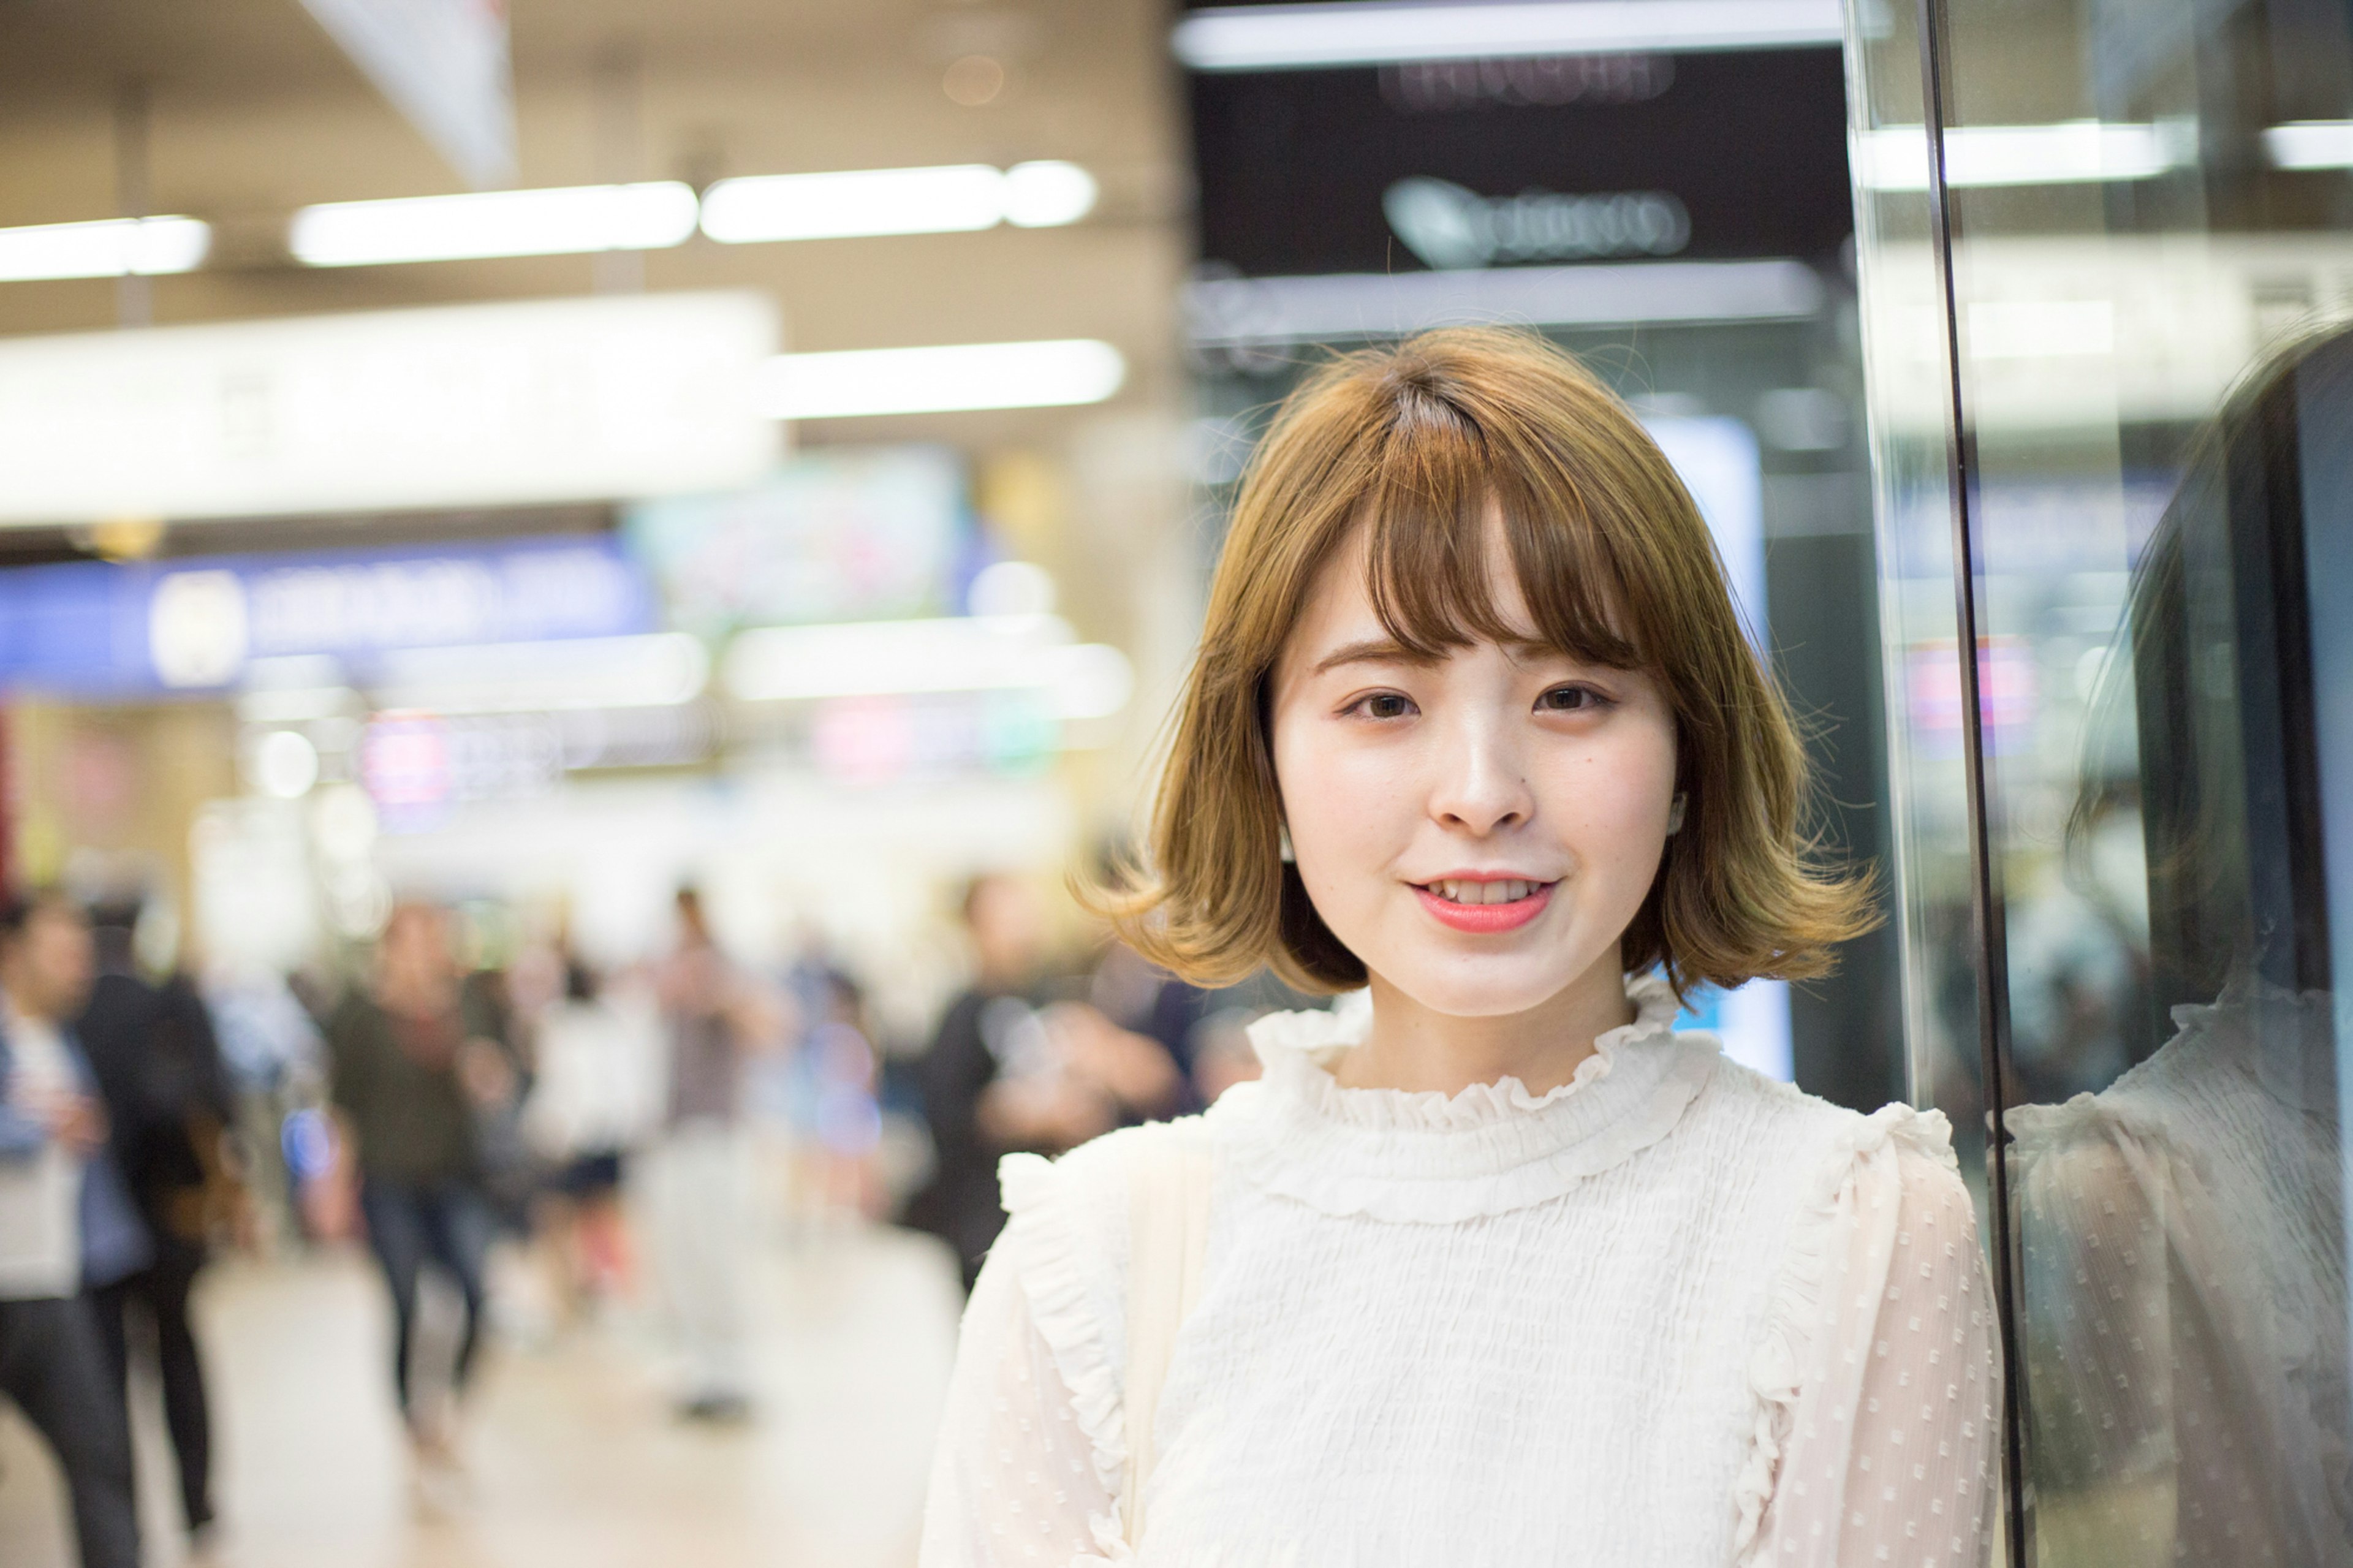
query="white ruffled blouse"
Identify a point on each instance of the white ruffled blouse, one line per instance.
(1670, 1314)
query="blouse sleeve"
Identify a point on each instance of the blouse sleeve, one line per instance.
(1892, 1433)
(1013, 1481)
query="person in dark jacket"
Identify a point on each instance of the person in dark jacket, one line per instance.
(407, 1072)
(159, 1068)
(1004, 1074)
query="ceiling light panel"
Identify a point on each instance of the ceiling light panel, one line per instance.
(956, 197)
(1056, 373)
(2075, 151)
(1047, 193)
(1310, 37)
(2310, 144)
(854, 204)
(109, 247)
(567, 220)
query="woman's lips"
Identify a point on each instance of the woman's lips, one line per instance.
(1485, 920)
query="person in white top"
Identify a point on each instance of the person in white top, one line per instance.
(66, 1223)
(1493, 1266)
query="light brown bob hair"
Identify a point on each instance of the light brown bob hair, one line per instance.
(1415, 444)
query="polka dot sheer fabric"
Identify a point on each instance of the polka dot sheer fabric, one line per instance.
(1669, 1314)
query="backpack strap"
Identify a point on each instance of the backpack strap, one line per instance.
(1169, 1234)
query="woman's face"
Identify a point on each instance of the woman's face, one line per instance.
(1480, 830)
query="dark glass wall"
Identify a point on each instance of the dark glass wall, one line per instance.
(2106, 286)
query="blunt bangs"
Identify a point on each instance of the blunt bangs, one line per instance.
(1438, 488)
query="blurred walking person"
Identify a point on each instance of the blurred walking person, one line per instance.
(167, 1095)
(66, 1223)
(1005, 1074)
(700, 1179)
(406, 1073)
(598, 1094)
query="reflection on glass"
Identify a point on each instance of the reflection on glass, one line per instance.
(2183, 1317)
(2148, 204)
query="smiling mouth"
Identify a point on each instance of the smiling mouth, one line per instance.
(1484, 907)
(1506, 890)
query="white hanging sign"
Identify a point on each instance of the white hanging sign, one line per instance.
(613, 397)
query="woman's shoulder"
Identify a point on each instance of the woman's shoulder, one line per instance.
(1093, 1175)
(1068, 1215)
(1780, 1121)
(1066, 1243)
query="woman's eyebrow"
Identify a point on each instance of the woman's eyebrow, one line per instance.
(1371, 650)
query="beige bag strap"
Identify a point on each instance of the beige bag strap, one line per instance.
(1168, 1233)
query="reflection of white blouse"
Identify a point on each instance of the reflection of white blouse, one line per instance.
(2183, 1237)
(1669, 1314)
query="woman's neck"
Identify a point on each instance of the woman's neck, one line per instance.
(1414, 1048)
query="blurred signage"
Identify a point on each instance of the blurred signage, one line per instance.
(417, 766)
(2009, 696)
(834, 535)
(886, 739)
(1716, 459)
(94, 629)
(1451, 227)
(1478, 164)
(468, 405)
(443, 64)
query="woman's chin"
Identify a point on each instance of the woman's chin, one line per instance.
(1481, 987)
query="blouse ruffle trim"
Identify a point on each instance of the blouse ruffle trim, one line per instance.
(1294, 1049)
(1054, 1280)
(1799, 1305)
(1438, 1159)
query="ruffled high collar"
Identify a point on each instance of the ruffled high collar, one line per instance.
(1436, 1158)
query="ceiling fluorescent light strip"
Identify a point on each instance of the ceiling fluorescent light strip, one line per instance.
(1054, 373)
(1387, 32)
(560, 221)
(2310, 144)
(2080, 152)
(855, 204)
(1240, 312)
(108, 247)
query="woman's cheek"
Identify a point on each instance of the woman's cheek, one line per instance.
(1613, 799)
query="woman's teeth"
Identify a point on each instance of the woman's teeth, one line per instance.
(1483, 892)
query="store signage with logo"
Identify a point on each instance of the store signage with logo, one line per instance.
(1449, 226)
(444, 65)
(1529, 161)
(96, 630)
(557, 400)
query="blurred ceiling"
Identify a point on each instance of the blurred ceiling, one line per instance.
(253, 111)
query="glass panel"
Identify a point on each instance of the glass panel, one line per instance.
(1908, 388)
(2151, 282)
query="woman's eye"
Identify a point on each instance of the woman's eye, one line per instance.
(1570, 700)
(1385, 705)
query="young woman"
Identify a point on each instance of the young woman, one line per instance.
(1499, 1270)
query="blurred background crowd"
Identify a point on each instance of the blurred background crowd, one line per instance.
(525, 1145)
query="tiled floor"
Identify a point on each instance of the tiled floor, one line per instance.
(574, 1458)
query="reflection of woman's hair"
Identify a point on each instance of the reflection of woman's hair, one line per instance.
(1416, 448)
(2203, 708)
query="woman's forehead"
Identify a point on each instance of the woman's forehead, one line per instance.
(1369, 588)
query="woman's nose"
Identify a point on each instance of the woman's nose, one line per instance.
(1479, 782)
